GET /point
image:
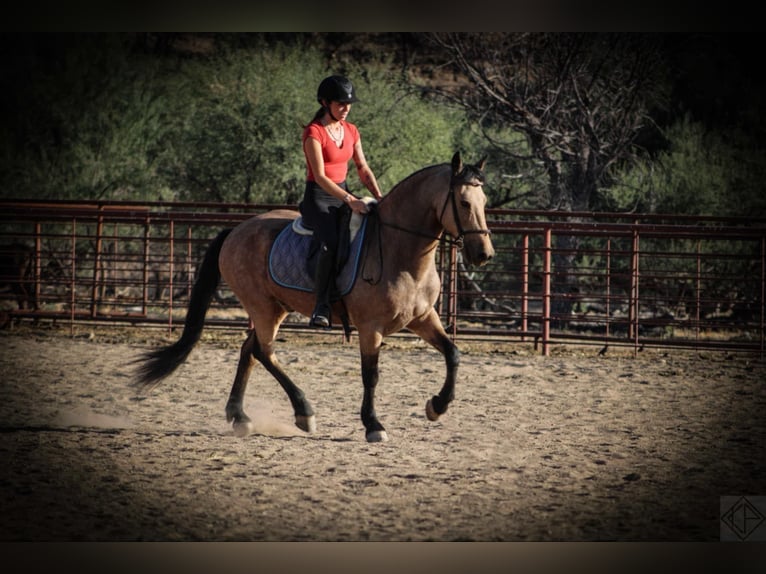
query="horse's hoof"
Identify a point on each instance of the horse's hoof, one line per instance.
(377, 436)
(242, 428)
(431, 413)
(306, 424)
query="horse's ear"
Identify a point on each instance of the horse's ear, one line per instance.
(482, 163)
(457, 163)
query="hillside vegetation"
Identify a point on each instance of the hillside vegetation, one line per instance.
(218, 117)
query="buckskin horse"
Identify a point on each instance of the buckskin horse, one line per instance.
(398, 288)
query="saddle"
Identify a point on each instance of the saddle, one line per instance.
(353, 227)
(290, 257)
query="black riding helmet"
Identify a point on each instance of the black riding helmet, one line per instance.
(336, 89)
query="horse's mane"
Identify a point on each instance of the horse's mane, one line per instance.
(409, 178)
(469, 172)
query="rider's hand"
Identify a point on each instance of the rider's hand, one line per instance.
(358, 206)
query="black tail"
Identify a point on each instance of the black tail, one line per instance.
(162, 362)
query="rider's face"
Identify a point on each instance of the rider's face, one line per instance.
(340, 110)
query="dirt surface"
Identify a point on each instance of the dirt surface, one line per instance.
(574, 446)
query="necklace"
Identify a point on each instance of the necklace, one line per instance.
(337, 137)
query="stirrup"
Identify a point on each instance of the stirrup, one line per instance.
(321, 317)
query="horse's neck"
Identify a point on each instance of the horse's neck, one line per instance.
(413, 203)
(412, 212)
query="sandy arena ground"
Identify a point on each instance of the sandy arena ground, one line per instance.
(574, 446)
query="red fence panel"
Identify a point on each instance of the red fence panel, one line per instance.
(576, 278)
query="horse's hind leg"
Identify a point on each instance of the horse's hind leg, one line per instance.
(430, 329)
(235, 413)
(261, 347)
(304, 414)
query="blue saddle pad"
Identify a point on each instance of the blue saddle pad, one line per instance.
(288, 255)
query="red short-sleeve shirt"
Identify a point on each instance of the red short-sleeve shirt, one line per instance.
(335, 158)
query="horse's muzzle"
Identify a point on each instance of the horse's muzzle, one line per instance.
(483, 258)
(478, 252)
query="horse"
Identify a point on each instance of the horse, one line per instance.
(398, 289)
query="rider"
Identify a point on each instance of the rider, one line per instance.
(329, 142)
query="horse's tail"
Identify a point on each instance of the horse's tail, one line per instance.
(160, 363)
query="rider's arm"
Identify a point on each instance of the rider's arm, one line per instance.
(366, 176)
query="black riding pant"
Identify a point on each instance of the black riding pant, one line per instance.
(323, 213)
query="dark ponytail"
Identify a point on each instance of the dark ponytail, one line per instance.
(320, 112)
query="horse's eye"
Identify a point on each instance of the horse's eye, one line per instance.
(465, 204)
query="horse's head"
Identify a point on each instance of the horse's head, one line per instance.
(465, 218)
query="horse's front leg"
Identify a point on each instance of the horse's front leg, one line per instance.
(369, 345)
(430, 329)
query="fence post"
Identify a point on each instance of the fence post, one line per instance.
(172, 232)
(452, 308)
(546, 291)
(145, 295)
(189, 265)
(113, 273)
(73, 278)
(524, 285)
(38, 265)
(633, 299)
(698, 295)
(608, 287)
(94, 293)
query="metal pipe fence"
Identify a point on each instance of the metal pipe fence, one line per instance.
(576, 278)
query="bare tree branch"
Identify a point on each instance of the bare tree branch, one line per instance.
(579, 99)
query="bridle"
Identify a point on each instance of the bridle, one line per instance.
(455, 180)
(461, 233)
(457, 241)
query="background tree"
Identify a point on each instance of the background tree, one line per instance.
(199, 118)
(83, 118)
(216, 116)
(236, 136)
(579, 100)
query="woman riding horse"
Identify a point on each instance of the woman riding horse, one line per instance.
(329, 142)
(398, 289)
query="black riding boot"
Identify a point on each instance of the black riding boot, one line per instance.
(322, 287)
